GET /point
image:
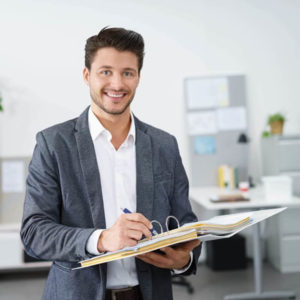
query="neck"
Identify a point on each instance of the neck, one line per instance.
(117, 125)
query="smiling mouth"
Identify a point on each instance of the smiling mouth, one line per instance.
(115, 95)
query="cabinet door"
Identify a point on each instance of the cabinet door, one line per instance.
(290, 258)
(289, 222)
(289, 150)
(10, 250)
(296, 184)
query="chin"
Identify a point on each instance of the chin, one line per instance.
(114, 111)
(117, 112)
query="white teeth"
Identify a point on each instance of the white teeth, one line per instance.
(115, 95)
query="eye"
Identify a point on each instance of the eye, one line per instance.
(105, 72)
(128, 74)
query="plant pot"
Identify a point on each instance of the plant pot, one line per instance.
(276, 127)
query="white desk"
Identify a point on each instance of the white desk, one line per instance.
(11, 251)
(202, 195)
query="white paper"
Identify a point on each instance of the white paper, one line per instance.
(132, 251)
(221, 85)
(232, 118)
(256, 217)
(228, 219)
(13, 173)
(202, 123)
(207, 93)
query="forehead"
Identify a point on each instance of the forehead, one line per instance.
(109, 56)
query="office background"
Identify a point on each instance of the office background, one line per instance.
(41, 61)
(42, 57)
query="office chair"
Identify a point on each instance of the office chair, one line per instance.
(181, 280)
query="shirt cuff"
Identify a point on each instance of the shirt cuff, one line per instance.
(180, 271)
(92, 243)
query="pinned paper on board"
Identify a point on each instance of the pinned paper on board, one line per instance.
(202, 123)
(13, 176)
(232, 118)
(203, 93)
(204, 145)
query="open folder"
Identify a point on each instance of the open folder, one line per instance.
(218, 227)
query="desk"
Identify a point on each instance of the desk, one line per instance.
(11, 251)
(201, 196)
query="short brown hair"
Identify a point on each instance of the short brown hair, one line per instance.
(119, 38)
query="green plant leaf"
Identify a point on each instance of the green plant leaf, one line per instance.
(265, 134)
(278, 117)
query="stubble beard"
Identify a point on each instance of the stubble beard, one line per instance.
(98, 102)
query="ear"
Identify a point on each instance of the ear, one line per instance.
(86, 75)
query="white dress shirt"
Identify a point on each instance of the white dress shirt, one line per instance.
(118, 182)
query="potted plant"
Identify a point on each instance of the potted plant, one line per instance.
(276, 122)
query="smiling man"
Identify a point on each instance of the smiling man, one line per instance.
(84, 170)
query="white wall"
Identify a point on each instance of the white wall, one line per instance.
(41, 58)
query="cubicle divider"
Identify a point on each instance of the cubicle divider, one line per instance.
(13, 173)
(216, 113)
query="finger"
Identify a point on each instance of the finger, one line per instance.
(137, 217)
(189, 246)
(145, 259)
(130, 243)
(157, 260)
(154, 256)
(168, 251)
(136, 226)
(186, 247)
(134, 234)
(175, 253)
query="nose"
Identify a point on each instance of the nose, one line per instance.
(116, 82)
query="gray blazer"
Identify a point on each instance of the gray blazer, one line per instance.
(64, 205)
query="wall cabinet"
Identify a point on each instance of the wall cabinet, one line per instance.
(283, 240)
(280, 156)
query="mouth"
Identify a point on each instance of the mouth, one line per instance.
(115, 96)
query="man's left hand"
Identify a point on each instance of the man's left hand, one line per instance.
(173, 258)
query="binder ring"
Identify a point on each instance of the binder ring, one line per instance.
(161, 229)
(167, 222)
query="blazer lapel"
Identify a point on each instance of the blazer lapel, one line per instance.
(144, 172)
(89, 166)
(144, 196)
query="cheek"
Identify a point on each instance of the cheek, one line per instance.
(134, 85)
(96, 85)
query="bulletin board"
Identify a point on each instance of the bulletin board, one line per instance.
(217, 129)
(13, 173)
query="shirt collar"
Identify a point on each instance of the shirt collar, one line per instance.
(97, 129)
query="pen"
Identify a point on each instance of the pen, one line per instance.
(127, 211)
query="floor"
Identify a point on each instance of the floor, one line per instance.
(212, 285)
(208, 285)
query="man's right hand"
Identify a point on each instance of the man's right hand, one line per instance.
(127, 231)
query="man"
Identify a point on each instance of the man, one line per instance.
(84, 170)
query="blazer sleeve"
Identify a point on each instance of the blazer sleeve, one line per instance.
(41, 232)
(181, 206)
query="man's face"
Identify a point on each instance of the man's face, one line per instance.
(113, 79)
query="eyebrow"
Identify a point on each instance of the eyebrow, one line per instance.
(130, 69)
(110, 67)
(105, 67)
